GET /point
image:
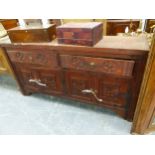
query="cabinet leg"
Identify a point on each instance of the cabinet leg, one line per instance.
(130, 119)
(123, 114)
(120, 113)
(24, 92)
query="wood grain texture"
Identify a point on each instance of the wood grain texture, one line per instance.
(32, 34)
(113, 91)
(145, 108)
(49, 80)
(109, 66)
(87, 34)
(35, 57)
(9, 23)
(131, 45)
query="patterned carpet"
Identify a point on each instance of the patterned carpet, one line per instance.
(41, 114)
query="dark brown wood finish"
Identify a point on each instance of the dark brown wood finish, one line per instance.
(32, 34)
(34, 57)
(109, 66)
(87, 34)
(101, 85)
(35, 79)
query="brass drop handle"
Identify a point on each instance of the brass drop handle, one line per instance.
(92, 63)
(91, 91)
(38, 82)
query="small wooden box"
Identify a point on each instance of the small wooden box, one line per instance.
(34, 34)
(87, 34)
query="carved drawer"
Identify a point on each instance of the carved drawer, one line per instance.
(39, 80)
(103, 65)
(34, 57)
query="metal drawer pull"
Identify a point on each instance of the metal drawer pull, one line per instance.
(90, 91)
(92, 63)
(38, 82)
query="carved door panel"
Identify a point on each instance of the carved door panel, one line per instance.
(77, 84)
(39, 80)
(113, 91)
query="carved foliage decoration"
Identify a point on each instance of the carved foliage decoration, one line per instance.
(108, 66)
(78, 86)
(114, 92)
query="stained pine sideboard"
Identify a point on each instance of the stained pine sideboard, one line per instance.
(107, 75)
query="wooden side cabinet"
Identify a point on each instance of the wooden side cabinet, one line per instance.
(108, 74)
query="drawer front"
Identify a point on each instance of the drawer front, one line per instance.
(43, 58)
(109, 66)
(39, 80)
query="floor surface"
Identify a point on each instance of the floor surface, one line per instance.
(42, 114)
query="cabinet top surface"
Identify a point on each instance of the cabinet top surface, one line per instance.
(112, 42)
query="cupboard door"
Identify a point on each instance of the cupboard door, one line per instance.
(39, 80)
(114, 91)
(77, 84)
